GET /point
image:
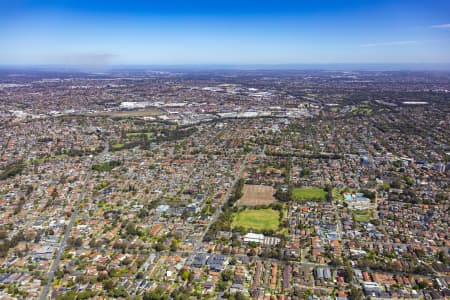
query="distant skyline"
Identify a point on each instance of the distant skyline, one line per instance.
(222, 32)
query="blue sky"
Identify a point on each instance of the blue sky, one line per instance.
(224, 32)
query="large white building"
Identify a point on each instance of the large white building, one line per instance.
(260, 239)
(254, 237)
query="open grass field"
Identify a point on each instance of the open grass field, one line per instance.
(361, 110)
(257, 195)
(362, 215)
(305, 194)
(117, 146)
(258, 219)
(137, 134)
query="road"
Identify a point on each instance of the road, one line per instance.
(198, 244)
(62, 245)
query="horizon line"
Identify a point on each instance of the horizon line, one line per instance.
(433, 66)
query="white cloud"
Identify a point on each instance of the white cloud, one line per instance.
(441, 26)
(394, 43)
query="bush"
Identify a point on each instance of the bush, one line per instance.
(12, 170)
(107, 166)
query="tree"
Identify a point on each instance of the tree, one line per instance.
(233, 261)
(180, 293)
(282, 195)
(157, 294)
(87, 294)
(305, 172)
(159, 246)
(221, 285)
(143, 213)
(348, 273)
(119, 292)
(75, 242)
(396, 184)
(80, 279)
(108, 285)
(227, 275)
(240, 296)
(422, 284)
(185, 275)
(252, 245)
(173, 245)
(356, 294)
(443, 258)
(67, 296)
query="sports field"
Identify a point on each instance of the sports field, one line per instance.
(257, 219)
(306, 193)
(257, 195)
